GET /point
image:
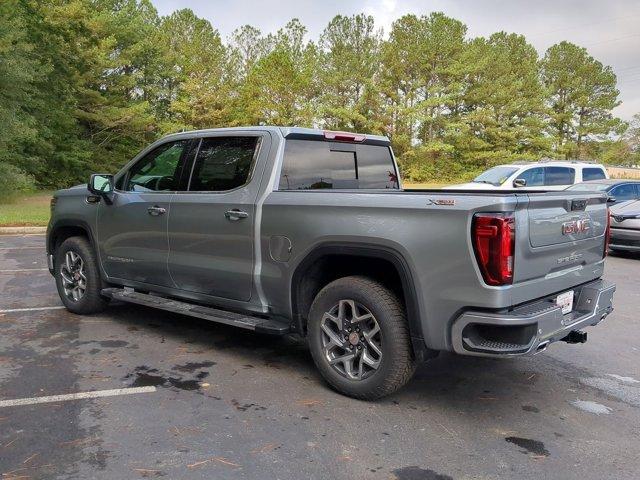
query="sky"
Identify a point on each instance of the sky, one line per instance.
(609, 30)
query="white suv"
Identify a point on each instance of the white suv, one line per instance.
(542, 175)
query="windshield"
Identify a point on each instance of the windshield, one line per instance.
(496, 175)
(589, 187)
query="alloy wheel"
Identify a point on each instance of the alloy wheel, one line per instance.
(74, 279)
(351, 340)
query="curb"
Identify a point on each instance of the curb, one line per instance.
(22, 230)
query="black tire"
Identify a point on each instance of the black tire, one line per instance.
(397, 364)
(91, 301)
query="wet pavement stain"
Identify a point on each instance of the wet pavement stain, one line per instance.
(148, 377)
(246, 406)
(530, 408)
(184, 384)
(193, 366)
(147, 380)
(105, 343)
(530, 446)
(112, 343)
(417, 473)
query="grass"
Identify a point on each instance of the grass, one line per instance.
(425, 186)
(29, 210)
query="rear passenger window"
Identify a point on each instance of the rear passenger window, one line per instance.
(312, 164)
(559, 176)
(223, 163)
(592, 174)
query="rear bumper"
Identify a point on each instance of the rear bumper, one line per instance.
(530, 328)
(625, 239)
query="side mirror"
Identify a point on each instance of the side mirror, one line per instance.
(519, 182)
(611, 199)
(101, 184)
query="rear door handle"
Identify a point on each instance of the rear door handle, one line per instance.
(156, 210)
(235, 214)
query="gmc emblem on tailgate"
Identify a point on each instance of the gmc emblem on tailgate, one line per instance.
(576, 226)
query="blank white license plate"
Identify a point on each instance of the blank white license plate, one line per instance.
(565, 301)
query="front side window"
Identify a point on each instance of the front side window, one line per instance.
(159, 170)
(534, 177)
(592, 174)
(626, 191)
(554, 176)
(495, 176)
(317, 164)
(223, 163)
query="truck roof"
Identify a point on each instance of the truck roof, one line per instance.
(562, 163)
(293, 133)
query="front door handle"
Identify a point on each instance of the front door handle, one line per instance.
(156, 210)
(235, 214)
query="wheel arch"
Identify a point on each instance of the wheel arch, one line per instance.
(64, 229)
(311, 275)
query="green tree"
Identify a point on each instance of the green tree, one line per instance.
(197, 78)
(349, 64)
(581, 93)
(247, 46)
(84, 84)
(20, 70)
(503, 102)
(422, 80)
(117, 63)
(632, 135)
(38, 92)
(280, 87)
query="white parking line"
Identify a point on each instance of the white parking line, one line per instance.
(31, 309)
(20, 270)
(22, 235)
(40, 247)
(76, 396)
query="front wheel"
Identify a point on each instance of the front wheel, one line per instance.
(359, 338)
(77, 277)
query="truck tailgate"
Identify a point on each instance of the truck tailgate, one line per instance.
(563, 236)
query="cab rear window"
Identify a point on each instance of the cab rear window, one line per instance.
(311, 165)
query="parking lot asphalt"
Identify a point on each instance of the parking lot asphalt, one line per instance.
(227, 403)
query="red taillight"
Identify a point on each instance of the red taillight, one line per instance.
(343, 136)
(607, 234)
(494, 243)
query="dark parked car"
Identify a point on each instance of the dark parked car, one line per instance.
(617, 190)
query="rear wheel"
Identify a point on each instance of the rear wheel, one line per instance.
(77, 277)
(359, 338)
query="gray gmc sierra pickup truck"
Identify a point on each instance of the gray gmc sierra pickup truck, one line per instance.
(292, 230)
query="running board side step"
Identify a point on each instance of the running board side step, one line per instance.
(257, 324)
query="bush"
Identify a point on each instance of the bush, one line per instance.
(14, 182)
(435, 165)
